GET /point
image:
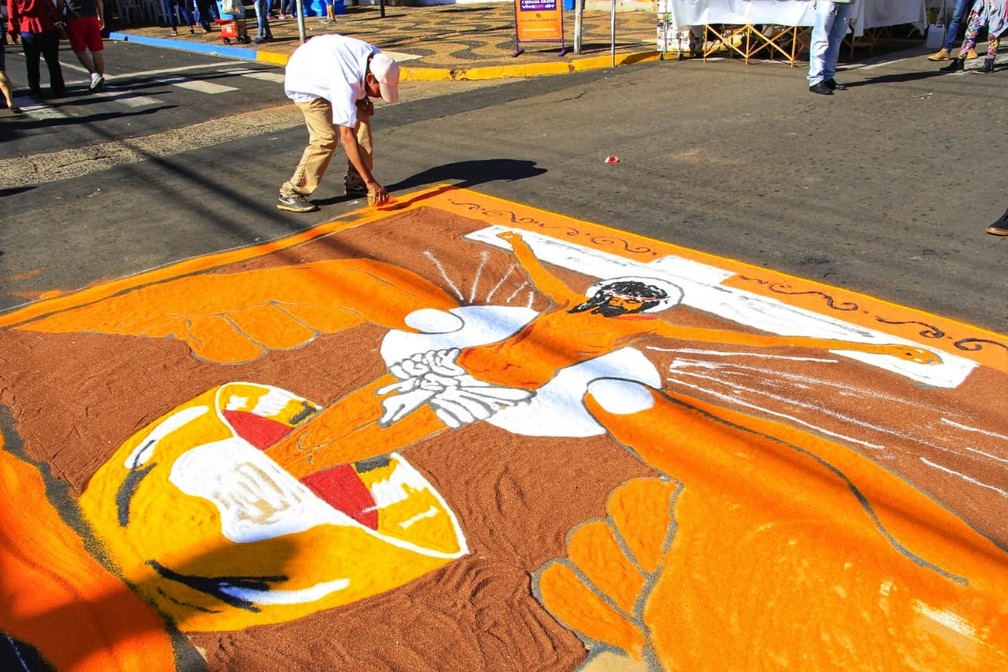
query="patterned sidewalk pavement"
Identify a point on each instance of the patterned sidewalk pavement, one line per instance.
(469, 41)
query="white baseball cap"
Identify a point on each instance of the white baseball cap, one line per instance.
(386, 71)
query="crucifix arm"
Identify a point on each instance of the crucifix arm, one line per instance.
(541, 279)
(699, 335)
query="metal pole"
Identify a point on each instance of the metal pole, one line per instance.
(578, 15)
(300, 11)
(612, 32)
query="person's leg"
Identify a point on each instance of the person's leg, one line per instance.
(204, 15)
(186, 14)
(50, 52)
(992, 47)
(838, 30)
(952, 28)
(77, 30)
(173, 11)
(7, 89)
(32, 53)
(977, 18)
(262, 18)
(97, 49)
(322, 142)
(825, 14)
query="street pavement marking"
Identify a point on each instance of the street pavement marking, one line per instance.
(277, 77)
(39, 110)
(400, 56)
(204, 87)
(138, 101)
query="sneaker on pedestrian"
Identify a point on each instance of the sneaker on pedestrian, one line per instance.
(940, 55)
(174, 32)
(356, 190)
(97, 80)
(259, 40)
(1000, 227)
(971, 55)
(821, 89)
(834, 85)
(295, 203)
(327, 20)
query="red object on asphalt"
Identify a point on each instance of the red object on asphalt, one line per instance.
(612, 159)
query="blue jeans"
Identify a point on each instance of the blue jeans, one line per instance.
(185, 13)
(952, 26)
(831, 22)
(262, 8)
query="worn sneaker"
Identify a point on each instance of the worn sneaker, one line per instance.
(940, 55)
(97, 81)
(356, 190)
(295, 203)
(972, 55)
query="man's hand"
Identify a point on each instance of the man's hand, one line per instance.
(377, 194)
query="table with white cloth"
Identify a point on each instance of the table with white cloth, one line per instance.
(748, 27)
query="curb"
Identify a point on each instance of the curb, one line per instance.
(238, 53)
(408, 73)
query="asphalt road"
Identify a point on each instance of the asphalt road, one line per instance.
(884, 188)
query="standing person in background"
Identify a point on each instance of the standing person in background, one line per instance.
(991, 13)
(331, 78)
(184, 9)
(35, 22)
(832, 19)
(330, 11)
(263, 34)
(952, 32)
(204, 14)
(5, 84)
(85, 21)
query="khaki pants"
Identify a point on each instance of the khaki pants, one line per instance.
(323, 139)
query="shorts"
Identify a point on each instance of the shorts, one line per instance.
(85, 33)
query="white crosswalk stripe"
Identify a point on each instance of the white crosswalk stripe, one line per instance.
(204, 87)
(37, 110)
(277, 77)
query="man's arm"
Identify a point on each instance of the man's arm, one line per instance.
(700, 335)
(543, 280)
(348, 138)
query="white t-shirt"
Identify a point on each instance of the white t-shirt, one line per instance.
(331, 67)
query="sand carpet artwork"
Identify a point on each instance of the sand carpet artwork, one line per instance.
(460, 433)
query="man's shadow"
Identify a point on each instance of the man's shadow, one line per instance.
(463, 174)
(896, 79)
